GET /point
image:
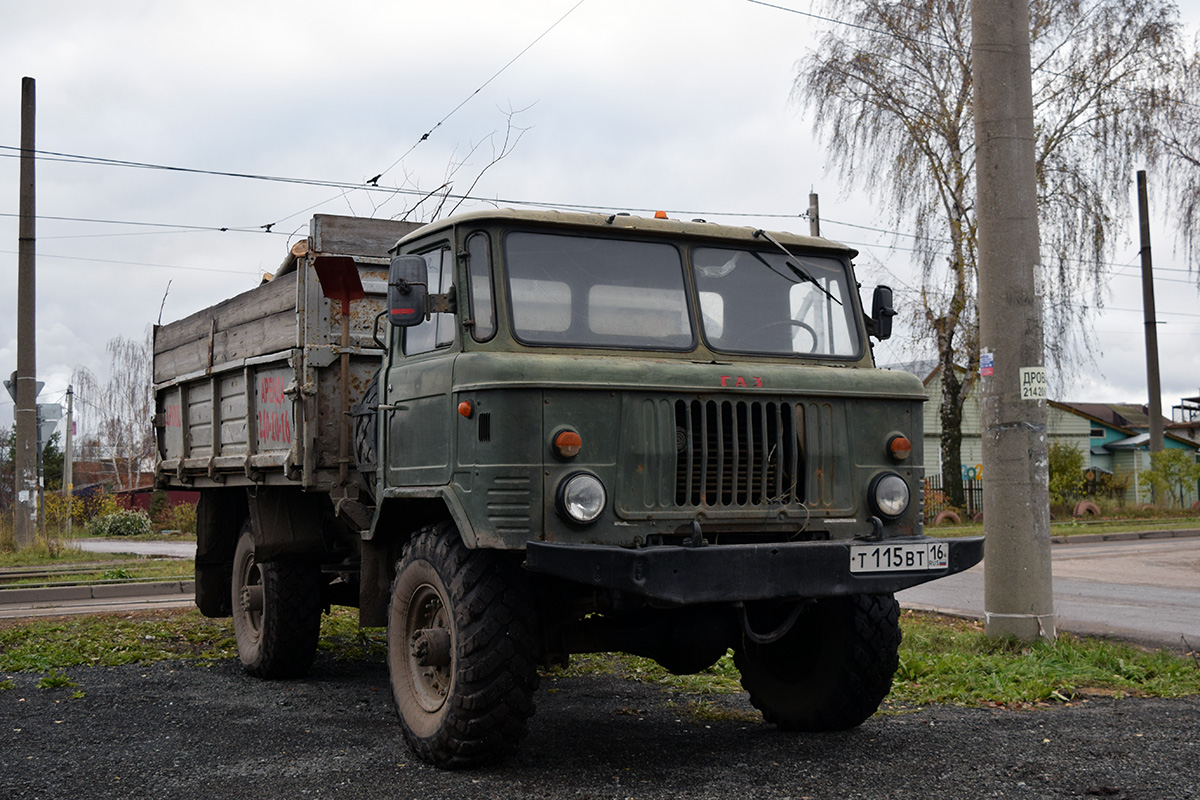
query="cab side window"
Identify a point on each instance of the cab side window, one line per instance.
(483, 307)
(438, 330)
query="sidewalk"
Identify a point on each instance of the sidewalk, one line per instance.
(60, 600)
(1128, 536)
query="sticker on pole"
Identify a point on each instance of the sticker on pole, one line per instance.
(1033, 383)
(985, 363)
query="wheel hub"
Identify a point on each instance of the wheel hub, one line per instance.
(252, 598)
(430, 647)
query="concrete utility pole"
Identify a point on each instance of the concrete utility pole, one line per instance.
(1152, 383)
(1018, 594)
(26, 457)
(68, 475)
(814, 215)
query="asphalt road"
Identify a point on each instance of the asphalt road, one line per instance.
(1147, 591)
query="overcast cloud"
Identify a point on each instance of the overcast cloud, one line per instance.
(673, 104)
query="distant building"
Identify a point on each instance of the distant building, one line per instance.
(1119, 442)
(1113, 437)
(1185, 419)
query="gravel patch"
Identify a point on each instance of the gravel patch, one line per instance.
(185, 730)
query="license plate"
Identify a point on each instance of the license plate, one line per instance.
(899, 557)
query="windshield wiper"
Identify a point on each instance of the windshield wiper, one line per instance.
(800, 272)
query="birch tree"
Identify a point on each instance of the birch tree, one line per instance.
(120, 410)
(1181, 151)
(891, 97)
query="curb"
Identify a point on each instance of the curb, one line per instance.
(1129, 536)
(98, 592)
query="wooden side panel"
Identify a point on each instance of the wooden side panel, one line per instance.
(257, 322)
(357, 236)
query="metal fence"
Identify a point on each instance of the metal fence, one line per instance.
(936, 500)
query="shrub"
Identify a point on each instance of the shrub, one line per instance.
(160, 505)
(1173, 475)
(121, 523)
(95, 505)
(180, 517)
(1066, 472)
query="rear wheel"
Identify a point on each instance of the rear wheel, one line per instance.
(461, 648)
(833, 668)
(276, 612)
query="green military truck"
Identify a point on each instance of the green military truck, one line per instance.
(513, 436)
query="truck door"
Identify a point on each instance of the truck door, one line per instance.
(417, 427)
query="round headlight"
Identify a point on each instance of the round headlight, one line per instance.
(581, 498)
(889, 495)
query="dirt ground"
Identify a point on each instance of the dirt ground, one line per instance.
(183, 730)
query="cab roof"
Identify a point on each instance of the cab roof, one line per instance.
(696, 229)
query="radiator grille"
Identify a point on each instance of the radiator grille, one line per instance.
(733, 453)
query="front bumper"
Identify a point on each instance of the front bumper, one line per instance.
(738, 572)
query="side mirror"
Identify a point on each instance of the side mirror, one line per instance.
(882, 313)
(407, 289)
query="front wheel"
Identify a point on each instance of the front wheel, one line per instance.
(461, 646)
(833, 668)
(276, 612)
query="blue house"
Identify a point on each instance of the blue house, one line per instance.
(1119, 443)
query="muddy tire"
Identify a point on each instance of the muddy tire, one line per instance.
(461, 650)
(276, 612)
(831, 671)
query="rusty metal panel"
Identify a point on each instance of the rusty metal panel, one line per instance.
(231, 388)
(170, 424)
(199, 418)
(274, 408)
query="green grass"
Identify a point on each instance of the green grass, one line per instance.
(1080, 526)
(111, 640)
(951, 661)
(92, 566)
(942, 660)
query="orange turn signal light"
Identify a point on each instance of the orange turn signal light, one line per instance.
(899, 448)
(464, 408)
(568, 444)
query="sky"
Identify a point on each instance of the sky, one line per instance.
(681, 105)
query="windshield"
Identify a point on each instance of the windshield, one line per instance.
(593, 292)
(766, 302)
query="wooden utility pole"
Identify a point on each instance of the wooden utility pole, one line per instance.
(26, 457)
(1152, 382)
(1018, 595)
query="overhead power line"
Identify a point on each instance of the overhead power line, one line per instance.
(425, 136)
(140, 263)
(479, 89)
(172, 228)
